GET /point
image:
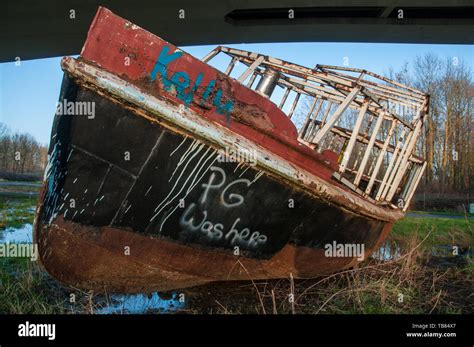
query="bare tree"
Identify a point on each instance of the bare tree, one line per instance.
(20, 152)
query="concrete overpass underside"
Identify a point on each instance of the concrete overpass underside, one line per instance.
(39, 29)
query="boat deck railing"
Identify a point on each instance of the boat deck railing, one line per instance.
(369, 124)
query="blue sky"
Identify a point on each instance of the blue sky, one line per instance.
(29, 92)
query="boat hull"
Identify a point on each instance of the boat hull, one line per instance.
(131, 204)
(93, 259)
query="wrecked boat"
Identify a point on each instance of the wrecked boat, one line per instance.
(165, 172)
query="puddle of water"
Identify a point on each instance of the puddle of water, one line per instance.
(23, 234)
(140, 304)
(449, 251)
(389, 251)
(442, 251)
(119, 304)
(450, 255)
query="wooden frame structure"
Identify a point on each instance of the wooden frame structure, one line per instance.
(372, 123)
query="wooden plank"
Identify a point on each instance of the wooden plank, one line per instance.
(350, 185)
(413, 187)
(230, 67)
(368, 150)
(380, 157)
(250, 69)
(396, 167)
(380, 192)
(342, 107)
(252, 79)
(285, 96)
(293, 107)
(353, 138)
(346, 133)
(403, 163)
(304, 128)
(211, 54)
(313, 124)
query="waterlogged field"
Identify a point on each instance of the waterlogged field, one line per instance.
(425, 266)
(442, 228)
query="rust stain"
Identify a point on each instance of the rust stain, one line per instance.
(93, 258)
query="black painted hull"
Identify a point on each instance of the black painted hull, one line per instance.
(129, 204)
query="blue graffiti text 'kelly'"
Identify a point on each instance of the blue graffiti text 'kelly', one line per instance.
(181, 82)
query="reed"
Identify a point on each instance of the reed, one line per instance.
(416, 282)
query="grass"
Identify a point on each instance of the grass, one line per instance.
(418, 282)
(20, 190)
(442, 230)
(443, 213)
(14, 212)
(25, 289)
(13, 189)
(412, 284)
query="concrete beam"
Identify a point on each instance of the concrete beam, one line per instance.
(32, 30)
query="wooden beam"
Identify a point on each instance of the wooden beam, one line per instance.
(349, 184)
(368, 150)
(342, 107)
(211, 54)
(353, 138)
(231, 65)
(304, 128)
(413, 187)
(380, 157)
(252, 79)
(380, 192)
(326, 113)
(250, 69)
(293, 107)
(396, 167)
(285, 96)
(403, 164)
(346, 133)
(313, 124)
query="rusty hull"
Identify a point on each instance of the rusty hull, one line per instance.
(119, 238)
(94, 259)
